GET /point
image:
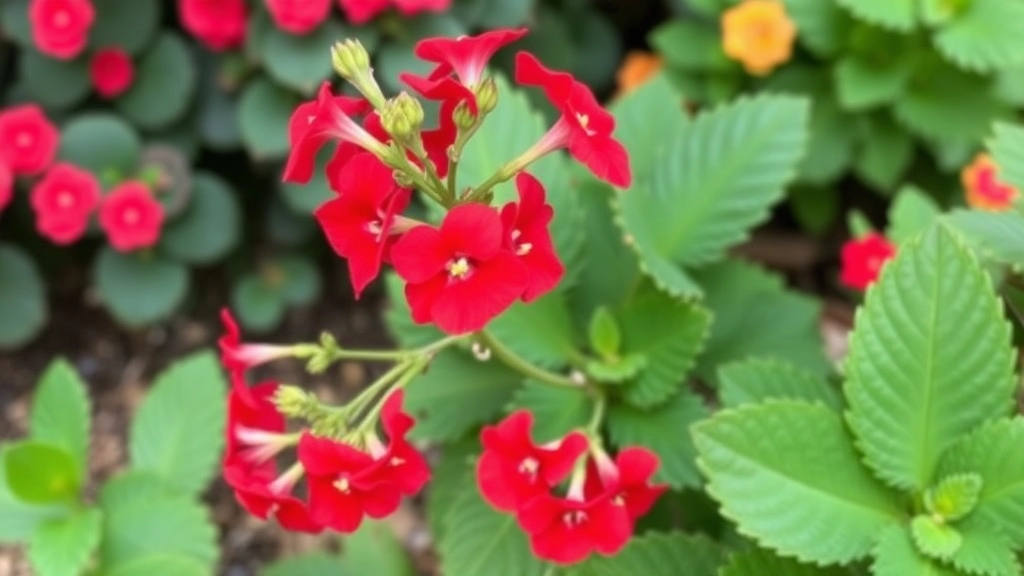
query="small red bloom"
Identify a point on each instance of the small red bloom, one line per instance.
(264, 495)
(298, 16)
(237, 357)
(585, 128)
(358, 222)
(314, 123)
(28, 140)
(403, 465)
(6, 185)
(461, 276)
(413, 7)
(112, 72)
(984, 190)
(131, 217)
(63, 201)
(526, 225)
(60, 28)
(568, 530)
(218, 24)
(862, 260)
(514, 470)
(628, 478)
(362, 11)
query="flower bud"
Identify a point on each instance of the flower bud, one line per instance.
(402, 116)
(294, 402)
(487, 96)
(350, 59)
(463, 118)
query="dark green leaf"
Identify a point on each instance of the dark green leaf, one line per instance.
(211, 225)
(659, 554)
(480, 540)
(115, 160)
(22, 298)
(139, 288)
(263, 113)
(690, 45)
(130, 26)
(56, 84)
(300, 62)
(556, 410)
(541, 331)
(165, 81)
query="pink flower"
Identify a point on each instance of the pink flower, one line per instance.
(28, 140)
(218, 24)
(131, 217)
(862, 260)
(60, 28)
(63, 201)
(111, 72)
(298, 16)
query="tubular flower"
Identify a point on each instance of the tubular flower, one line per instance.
(636, 69)
(111, 72)
(984, 190)
(758, 34)
(862, 260)
(60, 28)
(526, 227)
(359, 222)
(131, 217)
(217, 24)
(584, 127)
(28, 140)
(237, 357)
(63, 201)
(460, 276)
(298, 16)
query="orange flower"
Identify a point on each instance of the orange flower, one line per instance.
(984, 191)
(638, 68)
(758, 34)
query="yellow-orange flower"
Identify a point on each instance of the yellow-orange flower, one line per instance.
(637, 68)
(983, 189)
(758, 34)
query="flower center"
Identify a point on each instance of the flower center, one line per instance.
(396, 461)
(529, 468)
(131, 216)
(375, 227)
(24, 140)
(574, 518)
(61, 19)
(459, 269)
(521, 249)
(65, 199)
(343, 485)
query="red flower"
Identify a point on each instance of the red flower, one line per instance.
(584, 127)
(63, 201)
(627, 478)
(362, 11)
(6, 185)
(413, 7)
(263, 494)
(568, 530)
(358, 222)
(112, 72)
(461, 276)
(131, 217)
(526, 224)
(219, 24)
(298, 16)
(465, 57)
(28, 141)
(237, 357)
(403, 465)
(862, 260)
(513, 470)
(60, 28)
(314, 123)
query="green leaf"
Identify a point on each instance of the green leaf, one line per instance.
(911, 213)
(162, 565)
(665, 430)
(658, 554)
(743, 299)
(260, 306)
(541, 331)
(451, 475)
(985, 550)
(22, 298)
(647, 135)
(139, 288)
(822, 507)
(997, 236)
(939, 541)
(556, 411)
(1008, 152)
(822, 26)
(398, 320)
(604, 335)
(374, 549)
(690, 45)
(19, 520)
(178, 431)
(115, 160)
(304, 199)
(263, 113)
(616, 370)
(485, 14)
(985, 36)
(885, 155)
(832, 143)
(165, 81)
(763, 563)
(815, 208)
(891, 14)
(895, 555)
(955, 496)
(456, 393)
(63, 547)
(759, 379)
(943, 103)
(14, 21)
(55, 84)
(865, 83)
(302, 283)
(60, 411)
(923, 370)
(300, 62)
(993, 452)
(720, 177)
(477, 539)
(128, 25)
(142, 521)
(40, 473)
(669, 334)
(211, 226)
(316, 564)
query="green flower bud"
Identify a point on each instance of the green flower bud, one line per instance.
(350, 59)
(294, 402)
(462, 116)
(487, 96)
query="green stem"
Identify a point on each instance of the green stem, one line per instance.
(519, 364)
(356, 406)
(551, 571)
(600, 406)
(412, 369)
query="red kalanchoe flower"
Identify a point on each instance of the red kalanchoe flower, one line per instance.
(401, 464)
(465, 57)
(513, 470)
(298, 16)
(362, 11)
(460, 276)
(359, 222)
(60, 28)
(131, 217)
(628, 478)
(28, 140)
(568, 530)
(413, 7)
(314, 123)
(526, 226)
(218, 24)
(6, 185)
(862, 260)
(111, 72)
(63, 200)
(585, 128)
(237, 357)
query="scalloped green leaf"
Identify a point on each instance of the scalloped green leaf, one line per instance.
(930, 359)
(556, 410)
(885, 155)
(647, 135)
(139, 288)
(934, 539)
(301, 62)
(63, 547)
(892, 14)
(210, 227)
(689, 45)
(453, 471)
(944, 103)
(821, 26)
(22, 298)
(912, 211)
(764, 563)
(895, 555)
(658, 554)
(863, 83)
(955, 496)
(477, 539)
(55, 84)
(984, 36)
(1007, 148)
(130, 26)
(823, 507)
(832, 142)
(60, 411)
(541, 331)
(20, 520)
(165, 81)
(41, 473)
(665, 430)
(758, 379)
(603, 333)
(997, 236)
(985, 551)
(263, 113)
(994, 452)
(616, 370)
(718, 178)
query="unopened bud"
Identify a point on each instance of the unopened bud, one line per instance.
(402, 116)
(487, 96)
(463, 117)
(350, 59)
(294, 402)
(402, 179)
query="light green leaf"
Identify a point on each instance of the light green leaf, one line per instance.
(540, 332)
(895, 555)
(22, 297)
(822, 507)
(658, 554)
(955, 496)
(944, 103)
(60, 411)
(165, 81)
(930, 359)
(759, 379)
(1008, 152)
(556, 411)
(911, 213)
(863, 83)
(456, 393)
(885, 155)
(63, 547)
(162, 565)
(665, 430)
(647, 135)
(139, 288)
(178, 431)
(985, 36)
(690, 45)
(604, 334)
(263, 113)
(211, 225)
(935, 540)
(892, 14)
(822, 26)
(719, 177)
(764, 563)
(998, 236)
(300, 62)
(478, 539)
(993, 451)
(985, 550)
(316, 564)
(39, 473)
(452, 474)
(616, 370)
(19, 520)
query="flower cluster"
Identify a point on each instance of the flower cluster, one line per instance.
(602, 502)
(862, 260)
(983, 188)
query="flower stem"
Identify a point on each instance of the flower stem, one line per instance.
(519, 364)
(411, 370)
(551, 571)
(597, 418)
(357, 405)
